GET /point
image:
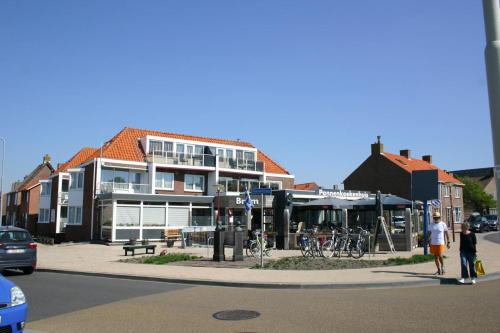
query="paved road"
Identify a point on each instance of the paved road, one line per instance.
(52, 294)
(493, 237)
(86, 304)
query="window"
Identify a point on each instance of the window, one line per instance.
(220, 153)
(164, 180)
(156, 147)
(457, 192)
(75, 215)
(46, 188)
(458, 214)
(448, 215)
(179, 149)
(249, 156)
(446, 190)
(44, 215)
(76, 180)
(229, 154)
(194, 183)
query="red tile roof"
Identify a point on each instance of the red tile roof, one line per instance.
(306, 186)
(410, 164)
(126, 146)
(81, 157)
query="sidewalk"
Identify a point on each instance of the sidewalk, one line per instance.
(103, 260)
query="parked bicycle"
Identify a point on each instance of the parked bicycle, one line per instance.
(328, 247)
(309, 243)
(254, 245)
(352, 246)
(359, 246)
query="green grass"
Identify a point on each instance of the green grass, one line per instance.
(162, 260)
(302, 263)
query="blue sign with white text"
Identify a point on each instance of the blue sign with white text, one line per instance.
(260, 191)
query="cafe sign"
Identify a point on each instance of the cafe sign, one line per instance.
(343, 194)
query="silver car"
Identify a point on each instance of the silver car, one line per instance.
(17, 250)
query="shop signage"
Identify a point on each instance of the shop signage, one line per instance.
(241, 201)
(343, 193)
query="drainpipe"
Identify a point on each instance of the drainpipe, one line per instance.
(491, 10)
(93, 201)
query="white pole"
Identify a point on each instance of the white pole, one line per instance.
(491, 9)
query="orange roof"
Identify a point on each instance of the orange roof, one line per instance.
(82, 156)
(410, 164)
(306, 186)
(126, 146)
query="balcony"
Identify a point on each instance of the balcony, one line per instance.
(171, 158)
(63, 198)
(112, 187)
(241, 164)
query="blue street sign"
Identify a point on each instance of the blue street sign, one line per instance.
(262, 191)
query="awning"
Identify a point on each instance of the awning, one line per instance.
(330, 203)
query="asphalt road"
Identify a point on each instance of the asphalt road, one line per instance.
(69, 303)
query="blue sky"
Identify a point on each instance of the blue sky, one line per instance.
(311, 83)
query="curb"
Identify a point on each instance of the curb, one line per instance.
(193, 282)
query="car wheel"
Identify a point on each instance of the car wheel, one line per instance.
(28, 270)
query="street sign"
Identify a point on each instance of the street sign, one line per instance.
(424, 185)
(262, 191)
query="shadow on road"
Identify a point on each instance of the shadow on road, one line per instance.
(442, 280)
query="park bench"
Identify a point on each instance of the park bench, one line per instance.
(132, 248)
(172, 235)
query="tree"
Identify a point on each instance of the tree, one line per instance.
(475, 199)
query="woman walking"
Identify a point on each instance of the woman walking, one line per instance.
(467, 253)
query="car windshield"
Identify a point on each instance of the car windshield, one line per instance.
(14, 236)
(475, 219)
(491, 217)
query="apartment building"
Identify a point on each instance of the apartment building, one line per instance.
(143, 181)
(392, 173)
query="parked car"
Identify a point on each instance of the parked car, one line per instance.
(478, 223)
(13, 307)
(17, 250)
(492, 222)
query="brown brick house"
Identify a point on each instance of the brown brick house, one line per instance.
(23, 200)
(392, 173)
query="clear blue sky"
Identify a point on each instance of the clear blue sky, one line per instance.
(311, 83)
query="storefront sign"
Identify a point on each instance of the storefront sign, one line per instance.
(241, 201)
(343, 194)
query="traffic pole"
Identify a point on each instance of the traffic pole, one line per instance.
(262, 231)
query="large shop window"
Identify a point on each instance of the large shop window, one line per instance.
(164, 180)
(202, 216)
(128, 216)
(153, 217)
(178, 217)
(194, 183)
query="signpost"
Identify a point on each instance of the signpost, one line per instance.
(262, 192)
(425, 187)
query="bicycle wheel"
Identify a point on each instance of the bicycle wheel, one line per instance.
(328, 249)
(357, 252)
(255, 250)
(339, 247)
(248, 248)
(304, 247)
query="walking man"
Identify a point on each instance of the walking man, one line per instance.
(439, 234)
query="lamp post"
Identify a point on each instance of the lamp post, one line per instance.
(1, 182)
(218, 188)
(219, 233)
(492, 58)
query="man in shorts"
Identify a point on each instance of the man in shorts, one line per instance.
(439, 234)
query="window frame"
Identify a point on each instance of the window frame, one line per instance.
(186, 189)
(162, 187)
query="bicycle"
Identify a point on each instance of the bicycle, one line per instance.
(309, 243)
(359, 249)
(343, 243)
(328, 247)
(254, 246)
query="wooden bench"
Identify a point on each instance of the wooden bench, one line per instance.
(172, 235)
(132, 248)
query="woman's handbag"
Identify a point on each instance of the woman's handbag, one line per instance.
(479, 267)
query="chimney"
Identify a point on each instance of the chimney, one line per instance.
(59, 165)
(46, 158)
(377, 147)
(405, 153)
(427, 158)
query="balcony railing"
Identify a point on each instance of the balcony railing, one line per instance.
(112, 187)
(63, 198)
(241, 164)
(171, 158)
